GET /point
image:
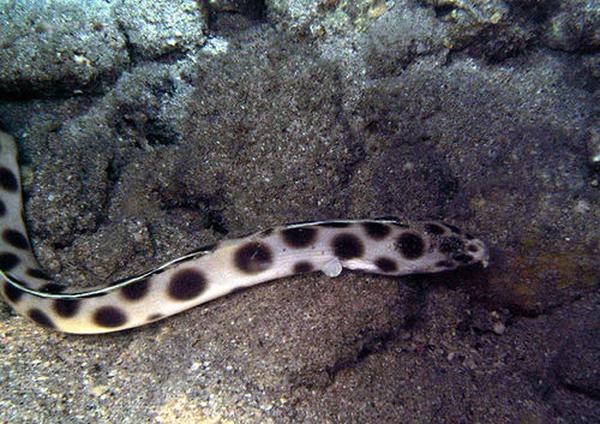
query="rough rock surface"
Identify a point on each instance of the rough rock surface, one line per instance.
(190, 124)
(51, 48)
(64, 47)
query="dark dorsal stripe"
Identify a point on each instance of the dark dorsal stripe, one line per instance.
(386, 218)
(52, 288)
(204, 249)
(294, 224)
(335, 224)
(266, 233)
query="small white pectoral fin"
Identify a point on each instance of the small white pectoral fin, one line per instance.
(333, 268)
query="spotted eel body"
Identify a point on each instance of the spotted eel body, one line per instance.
(385, 246)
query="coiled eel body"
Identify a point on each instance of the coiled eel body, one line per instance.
(385, 246)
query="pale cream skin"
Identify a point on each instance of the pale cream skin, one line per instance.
(382, 246)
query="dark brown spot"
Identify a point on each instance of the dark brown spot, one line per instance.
(2, 208)
(187, 284)
(444, 264)
(38, 273)
(66, 308)
(253, 257)
(15, 239)
(335, 224)
(463, 258)
(472, 248)
(40, 317)
(154, 317)
(135, 291)
(302, 267)
(469, 236)
(8, 180)
(12, 293)
(410, 245)
(266, 233)
(52, 288)
(376, 230)
(453, 228)
(434, 229)
(109, 316)
(8, 261)
(347, 246)
(451, 245)
(299, 237)
(386, 264)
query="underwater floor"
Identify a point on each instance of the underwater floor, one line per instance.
(147, 129)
